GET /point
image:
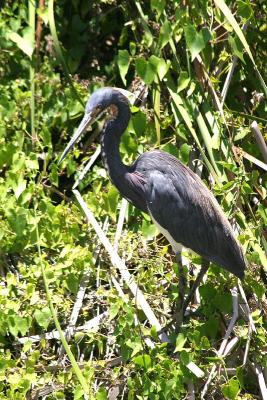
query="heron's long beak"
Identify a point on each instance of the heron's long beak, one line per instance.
(87, 120)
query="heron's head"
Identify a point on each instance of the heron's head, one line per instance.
(100, 101)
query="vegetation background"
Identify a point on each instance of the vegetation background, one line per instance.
(203, 64)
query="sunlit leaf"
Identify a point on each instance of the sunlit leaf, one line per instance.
(123, 63)
(196, 41)
(24, 44)
(165, 34)
(231, 389)
(237, 47)
(180, 342)
(143, 360)
(158, 5)
(183, 81)
(145, 70)
(43, 317)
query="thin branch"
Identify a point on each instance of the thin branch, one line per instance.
(262, 384)
(88, 326)
(246, 306)
(241, 153)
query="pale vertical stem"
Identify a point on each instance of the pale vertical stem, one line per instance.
(259, 139)
(31, 16)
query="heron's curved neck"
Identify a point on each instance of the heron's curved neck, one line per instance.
(110, 142)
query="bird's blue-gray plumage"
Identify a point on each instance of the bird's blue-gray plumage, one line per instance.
(170, 192)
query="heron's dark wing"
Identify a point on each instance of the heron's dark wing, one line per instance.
(134, 191)
(182, 205)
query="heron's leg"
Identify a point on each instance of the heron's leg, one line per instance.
(182, 283)
(197, 282)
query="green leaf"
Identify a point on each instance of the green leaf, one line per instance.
(43, 317)
(24, 44)
(143, 360)
(149, 230)
(113, 310)
(78, 393)
(102, 394)
(237, 47)
(139, 122)
(112, 199)
(244, 9)
(73, 282)
(165, 34)
(145, 70)
(184, 152)
(17, 324)
(180, 342)
(123, 64)
(183, 81)
(158, 5)
(20, 187)
(231, 389)
(160, 65)
(196, 41)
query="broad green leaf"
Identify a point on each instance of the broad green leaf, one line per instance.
(149, 230)
(17, 324)
(180, 342)
(158, 5)
(43, 317)
(78, 393)
(102, 394)
(143, 360)
(244, 9)
(123, 64)
(237, 47)
(139, 122)
(183, 81)
(196, 41)
(112, 197)
(73, 283)
(231, 389)
(165, 34)
(160, 65)
(184, 151)
(24, 44)
(113, 310)
(145, 70)
(20, 187)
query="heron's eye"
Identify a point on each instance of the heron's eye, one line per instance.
(113, 111)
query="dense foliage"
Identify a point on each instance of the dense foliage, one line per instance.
(51, 59)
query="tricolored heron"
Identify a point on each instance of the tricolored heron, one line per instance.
(181, 206)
